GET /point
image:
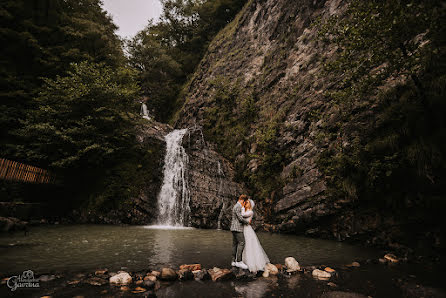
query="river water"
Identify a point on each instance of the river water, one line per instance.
(88, 247)
(72, 249)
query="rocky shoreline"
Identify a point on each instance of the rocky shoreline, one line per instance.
(327, 281)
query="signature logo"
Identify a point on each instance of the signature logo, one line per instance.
(26, 280)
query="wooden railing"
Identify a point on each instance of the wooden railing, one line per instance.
(16, 171)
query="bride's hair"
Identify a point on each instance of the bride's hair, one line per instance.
(243, 197)
(247, 205)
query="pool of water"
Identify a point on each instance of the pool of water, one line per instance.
(88, 247)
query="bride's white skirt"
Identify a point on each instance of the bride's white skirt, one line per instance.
(253, 255)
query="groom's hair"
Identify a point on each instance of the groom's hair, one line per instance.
(243, 197)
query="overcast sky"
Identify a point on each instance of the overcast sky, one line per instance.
(132, 15)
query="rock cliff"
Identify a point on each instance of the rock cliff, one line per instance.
(260, 95)
(271, 51)
(213, 191)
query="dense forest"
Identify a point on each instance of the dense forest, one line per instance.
(70, 96)
(70, 93)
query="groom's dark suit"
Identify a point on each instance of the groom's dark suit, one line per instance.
(238, 239)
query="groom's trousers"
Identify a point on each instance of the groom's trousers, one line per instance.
(238, 244)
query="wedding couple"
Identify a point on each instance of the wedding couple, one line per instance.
(247, 252)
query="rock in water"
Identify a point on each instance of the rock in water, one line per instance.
(150, 277)
(191, 267)
(96, 281)
(185, 274)
(271, 269)
(138, 290)
(100, 272)
(155, 273)
(200, 274)
(148, 284)
(220, 274)
(354, 264)
(279, 267)
(168, 274)
(291, 264)
(391, 258)
(319, 274)
(120, 279)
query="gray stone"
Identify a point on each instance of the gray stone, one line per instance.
(120, 279)
(291, 264)
(319, 274)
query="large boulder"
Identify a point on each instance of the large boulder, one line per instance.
(121, 279)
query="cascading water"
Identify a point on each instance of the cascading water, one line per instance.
(144, 112)
(220, 174)
(173, 200)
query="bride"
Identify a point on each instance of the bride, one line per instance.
(253, 255)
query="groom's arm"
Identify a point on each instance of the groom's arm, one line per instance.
(238, 213)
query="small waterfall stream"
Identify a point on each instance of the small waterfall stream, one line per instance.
(220, 174)
(173, 199)
(144, 112)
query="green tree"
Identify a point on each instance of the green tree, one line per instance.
(83, 125)
(165, 53)
(40, 39)
(378, 40)
(390, 58)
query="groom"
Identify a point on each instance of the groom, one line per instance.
(238, 239)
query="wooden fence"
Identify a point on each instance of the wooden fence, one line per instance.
(16, 171)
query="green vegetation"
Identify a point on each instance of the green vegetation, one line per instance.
(69, 93)
(229, 122)
(398, 155)
(167, 52)
(40, 39)
(68, 104)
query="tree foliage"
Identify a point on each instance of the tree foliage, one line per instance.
(40, 39)
(380, 40)
(83, 130)
(391, 59)
(165, 53)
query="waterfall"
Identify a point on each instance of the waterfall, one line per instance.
(173, 199)
(220, 174)
(144, 112)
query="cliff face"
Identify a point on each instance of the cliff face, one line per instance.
(271, 51)
(259, 93)
(213, 191)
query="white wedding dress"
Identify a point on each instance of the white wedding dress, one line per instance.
(253, 255)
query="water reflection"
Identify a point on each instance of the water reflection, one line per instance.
(255, 289)
(164, 246)
(88, 247)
